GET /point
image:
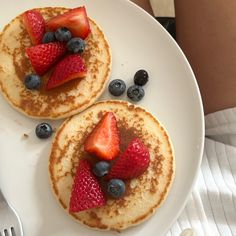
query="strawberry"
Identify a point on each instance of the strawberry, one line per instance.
(43, 56)
(104, 140)
(35, 25)
(75, 20)
(132, 163)
(86, 191)
(69, 68)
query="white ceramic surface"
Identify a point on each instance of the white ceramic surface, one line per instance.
(137, 41)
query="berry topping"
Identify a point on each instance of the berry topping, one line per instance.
(43, 130)
(49, 37)
(132, 163)
(69, 68)
(116, 188)
(104, 140)
(135, 93)
(75, 20)
(141, 77)
(117, 87)
(86, 192)
(63, 34)
(76, 45)
(32, 81)
(35, 25)
(43, 56)
(101, 168)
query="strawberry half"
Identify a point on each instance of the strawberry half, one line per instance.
(35, 25)
(75, 20)
(104, 140)
(69, 68)
(132, 163)
(86, 191)
(43, 56)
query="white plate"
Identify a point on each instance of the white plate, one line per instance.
(137, 41)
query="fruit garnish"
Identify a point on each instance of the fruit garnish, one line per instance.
(69, 68)
(43, 56)
(63, 34)
(35, 25)
(86, 191)
(76, 45)
(104, 140)
(49, 37)
(117, 87)
(75, 20)
(133, 162)
(116, 188)
(141, 77)
(101, 168)
(43, 130)
(32, 81)
(135, 93)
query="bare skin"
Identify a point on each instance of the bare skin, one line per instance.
(144, 4)
(206, 33)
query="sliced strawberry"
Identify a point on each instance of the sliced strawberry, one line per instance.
(71, 67)
(43, 56)
(132, 163)
(86, 191)
(75, 20)
(104, 140)
(35, 25)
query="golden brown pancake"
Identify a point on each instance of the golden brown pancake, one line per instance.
(61, 102)
(143, 194)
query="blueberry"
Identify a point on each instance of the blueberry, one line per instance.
(141, 77)
(43, 130)
(63, 34)
(76, 45)
(101, 168)
(32, 81)
(49, 37)
(135, 93)
(117, 87)
(116, 188)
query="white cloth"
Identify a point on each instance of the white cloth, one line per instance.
(163, 8)
(211, 208)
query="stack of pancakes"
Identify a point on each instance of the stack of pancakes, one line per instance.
(61, 102)
(145, 193)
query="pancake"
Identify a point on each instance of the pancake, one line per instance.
(61, 102)
(143, 194)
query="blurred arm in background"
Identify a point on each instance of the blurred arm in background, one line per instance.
(206, 32)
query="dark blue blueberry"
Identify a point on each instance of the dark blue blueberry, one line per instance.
(32, 81)
(141, 77)
(135, 93)
(43, 130)
(49, 37)
(76, 45)
(116, 188)
(63, 34)
(101, 168)
(117, 87)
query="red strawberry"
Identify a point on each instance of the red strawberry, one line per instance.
(71, 67)
(86, 192)
(132, 163)
(75, 20)
(104, 141)
(35, 25)
(43, 56)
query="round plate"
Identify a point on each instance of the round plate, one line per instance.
(137, 41)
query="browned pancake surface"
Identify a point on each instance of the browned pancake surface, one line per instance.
(60, 102)
(144, 194)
